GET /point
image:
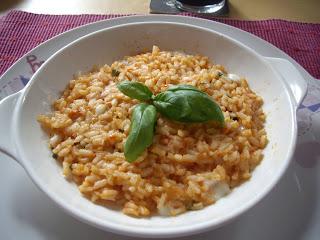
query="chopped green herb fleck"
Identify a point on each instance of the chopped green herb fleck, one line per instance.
(235, 118)
(115, 73)
(220, 74)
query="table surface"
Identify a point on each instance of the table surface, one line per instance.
(295, 10)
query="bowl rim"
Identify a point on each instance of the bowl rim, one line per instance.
(141, 231)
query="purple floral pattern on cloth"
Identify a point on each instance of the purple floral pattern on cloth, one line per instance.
(22, 31)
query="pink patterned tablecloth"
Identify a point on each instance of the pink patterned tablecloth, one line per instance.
(22, 31)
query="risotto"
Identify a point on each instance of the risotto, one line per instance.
(187, 167)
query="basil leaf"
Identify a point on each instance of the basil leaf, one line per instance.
(135, 90)
(203, 109)
(188, 105)
(175, 88)
(141, 131)
(172, 105)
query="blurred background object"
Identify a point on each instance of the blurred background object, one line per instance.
(202, 7)
(176, 7)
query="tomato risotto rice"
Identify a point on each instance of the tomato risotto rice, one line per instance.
(187, 167)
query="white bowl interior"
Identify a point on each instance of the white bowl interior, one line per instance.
(112, 44)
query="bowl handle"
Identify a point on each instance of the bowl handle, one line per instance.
(7, 106)
(292, 77)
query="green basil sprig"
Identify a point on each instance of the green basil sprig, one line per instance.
(143, 121)
(183, 103)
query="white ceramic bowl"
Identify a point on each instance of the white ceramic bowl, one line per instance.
(276, 80)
